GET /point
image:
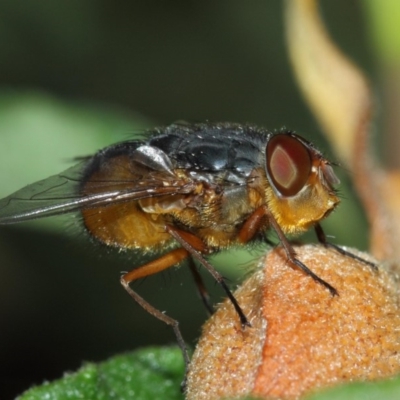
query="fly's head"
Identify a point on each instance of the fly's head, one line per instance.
(300, 189)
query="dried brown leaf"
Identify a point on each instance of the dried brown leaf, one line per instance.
(340, 97)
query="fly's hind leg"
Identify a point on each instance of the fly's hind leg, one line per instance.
(168, 260)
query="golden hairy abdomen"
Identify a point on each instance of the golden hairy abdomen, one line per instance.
(126, 225)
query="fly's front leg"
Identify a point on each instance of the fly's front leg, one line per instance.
(322, 239)
(168, 260)
(254, 223)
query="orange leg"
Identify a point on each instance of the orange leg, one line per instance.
(168, 260)
(252, 225)
(158, 265)
(191, 246)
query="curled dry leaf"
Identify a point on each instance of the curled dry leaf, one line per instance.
(301, 336)
(340, 98)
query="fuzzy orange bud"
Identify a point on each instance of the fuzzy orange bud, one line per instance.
(302, 338)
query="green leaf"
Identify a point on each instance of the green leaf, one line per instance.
(146, 374)
(388, 390)
(157, 373)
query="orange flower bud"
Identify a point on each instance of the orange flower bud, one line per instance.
(301, 338)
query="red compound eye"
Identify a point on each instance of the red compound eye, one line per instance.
(288, 164)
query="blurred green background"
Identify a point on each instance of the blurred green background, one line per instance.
(78, 75)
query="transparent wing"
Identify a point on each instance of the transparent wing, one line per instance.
(145, 176)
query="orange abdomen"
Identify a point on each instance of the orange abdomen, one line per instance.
(126, 225)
